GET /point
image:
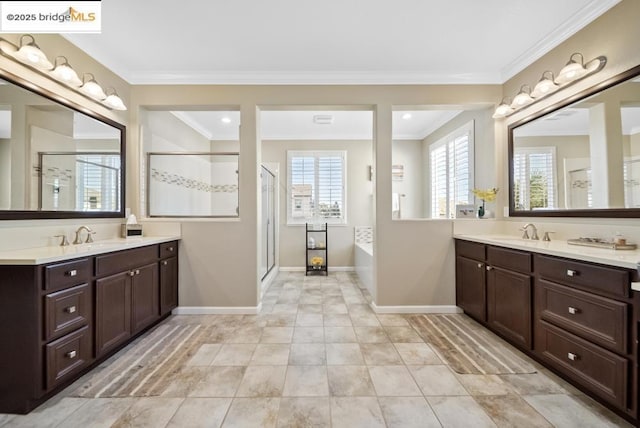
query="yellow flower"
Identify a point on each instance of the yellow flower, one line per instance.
(317, 261)
(487, 195)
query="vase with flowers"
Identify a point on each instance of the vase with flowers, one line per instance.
(486, 195)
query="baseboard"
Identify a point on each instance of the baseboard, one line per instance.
(427, 309)
(268, 280)
(331, 269)
(217, 310)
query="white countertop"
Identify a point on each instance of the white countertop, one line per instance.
(622, 258)
(42, 255)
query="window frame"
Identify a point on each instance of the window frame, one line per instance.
(527, 151)
(316, 154)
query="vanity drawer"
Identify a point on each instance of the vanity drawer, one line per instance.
(67, 355)
(506, 258)
(67, 310)
(598, 319)
(607, 281)
(602, 372)
(168, 249)
(63, 275)
(124, 260)
(471, 250)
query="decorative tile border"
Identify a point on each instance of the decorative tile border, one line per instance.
(190, 183)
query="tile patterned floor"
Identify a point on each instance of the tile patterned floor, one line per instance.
(317, 356)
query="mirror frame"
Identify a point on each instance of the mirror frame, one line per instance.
(37, 215)
(596, 212)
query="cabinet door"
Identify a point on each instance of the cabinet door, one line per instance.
(470, 287)
(168, 285)
(145, 292)
(509, 304)
(113, 311)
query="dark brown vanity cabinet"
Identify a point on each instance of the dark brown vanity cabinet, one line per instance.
(493, 285)
(509, 294)
(58, 320)
(168, 277)
(580, 319)
(584, 323)
(471, 289)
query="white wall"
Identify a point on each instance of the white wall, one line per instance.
(359, 200)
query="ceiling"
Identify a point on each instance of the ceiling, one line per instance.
(299, 125)
(334, 41)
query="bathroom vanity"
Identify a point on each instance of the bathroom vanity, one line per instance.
(65, 309)
(571, 309)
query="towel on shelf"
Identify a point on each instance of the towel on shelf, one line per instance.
(395, 202)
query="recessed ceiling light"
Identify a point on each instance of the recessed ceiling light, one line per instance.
(226, 120)
(407, 116)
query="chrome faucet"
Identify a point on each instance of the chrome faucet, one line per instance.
(89, 237)
(534, 233)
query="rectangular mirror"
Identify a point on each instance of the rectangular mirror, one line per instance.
(57, 159)
(580, 158)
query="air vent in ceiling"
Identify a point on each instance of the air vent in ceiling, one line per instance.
(322, 119)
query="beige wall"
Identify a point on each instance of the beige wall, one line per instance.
(17, 234)
(614, 35)
(359, 200)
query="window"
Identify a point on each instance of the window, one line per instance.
(451, 161)
(98, 181)
(316, 186)
(534, 178)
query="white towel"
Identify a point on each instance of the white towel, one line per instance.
(395, 202)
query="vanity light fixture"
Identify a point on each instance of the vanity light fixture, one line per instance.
(91, 88)
(113, 100)
(65, 73)
(504, 109)
(30, 55)
(545, 85)
(523, 98)
(575, 70)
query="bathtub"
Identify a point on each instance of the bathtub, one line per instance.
(364, 264)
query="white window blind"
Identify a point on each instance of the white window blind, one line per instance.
(316, 186)
(97, 181)
(451, 160)
(534, 178)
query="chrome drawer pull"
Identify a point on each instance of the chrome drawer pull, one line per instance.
(572, 272)
(480, 265)
(132, 273)
(137, 271)
(72, 273)
(489, 267)
(572, 356)
(71, 354)
(573, 310)
(70, 309)
(164, 263)
(171, 249)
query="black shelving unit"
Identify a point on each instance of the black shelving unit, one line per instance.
(320, 236)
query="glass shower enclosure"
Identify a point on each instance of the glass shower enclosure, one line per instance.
(268, 219)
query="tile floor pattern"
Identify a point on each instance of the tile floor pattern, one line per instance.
(318, 356)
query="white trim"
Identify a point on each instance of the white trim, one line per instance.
(567, 29)
(217, 310)
(268, 280)
(426, 309)
(331, 269)
(308, 78)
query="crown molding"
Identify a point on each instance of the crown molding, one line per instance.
(311, 78)
(192, 123)
(580, 20)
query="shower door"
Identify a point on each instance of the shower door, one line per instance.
(268, 251)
